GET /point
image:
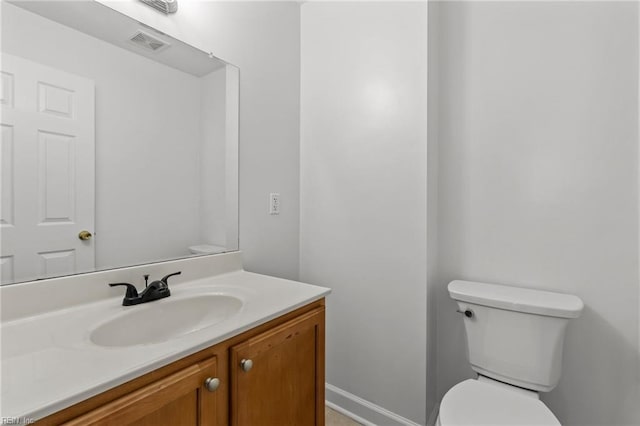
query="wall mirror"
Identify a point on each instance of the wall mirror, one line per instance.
(119, 144)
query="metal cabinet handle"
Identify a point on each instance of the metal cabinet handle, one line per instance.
(246, 365)
(212, 383)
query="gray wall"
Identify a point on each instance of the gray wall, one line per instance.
(538, 181)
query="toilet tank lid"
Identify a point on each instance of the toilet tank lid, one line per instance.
(517, 299)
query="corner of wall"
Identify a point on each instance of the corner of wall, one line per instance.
(638, 135)
(432, 206)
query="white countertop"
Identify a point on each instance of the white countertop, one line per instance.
(49, 363)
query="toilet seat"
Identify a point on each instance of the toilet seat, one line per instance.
(482, 403)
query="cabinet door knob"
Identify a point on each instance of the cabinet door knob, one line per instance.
(246, 364)
(212, 383)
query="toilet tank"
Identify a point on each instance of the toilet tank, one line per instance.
(515, 335)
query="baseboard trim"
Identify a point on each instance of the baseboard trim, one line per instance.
(362, 411)
(363, 422)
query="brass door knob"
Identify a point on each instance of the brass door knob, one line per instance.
(85, 235)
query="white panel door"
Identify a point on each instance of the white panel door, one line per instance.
(47, 170)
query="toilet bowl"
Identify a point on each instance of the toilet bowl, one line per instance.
(480, 402)
(514, 339)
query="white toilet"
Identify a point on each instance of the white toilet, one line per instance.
(515, 338)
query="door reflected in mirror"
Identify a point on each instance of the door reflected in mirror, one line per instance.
(119, 144)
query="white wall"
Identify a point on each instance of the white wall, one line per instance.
(232, 134)
(219, 159)
(263, 40)
(145, 165)
(212, 159)
(538, 181)
(363, 197)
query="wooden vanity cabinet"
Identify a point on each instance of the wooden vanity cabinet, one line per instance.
(180, 399)
(283, 386)
(277, 377)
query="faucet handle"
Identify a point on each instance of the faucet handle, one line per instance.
(164, 279)
(132, 292)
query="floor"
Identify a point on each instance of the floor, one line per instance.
(333, 418)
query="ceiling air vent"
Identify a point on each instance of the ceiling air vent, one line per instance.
(148, 42)
(164, 6)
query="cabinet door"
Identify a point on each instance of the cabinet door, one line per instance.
(181, 399)
(285, 383)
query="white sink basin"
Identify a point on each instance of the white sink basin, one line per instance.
(160, 321)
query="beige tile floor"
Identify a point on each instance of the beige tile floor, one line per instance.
(333, 418)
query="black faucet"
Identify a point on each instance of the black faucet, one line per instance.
(154, 291)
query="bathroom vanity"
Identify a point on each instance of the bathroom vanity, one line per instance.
(260, 361)
(271, 374)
